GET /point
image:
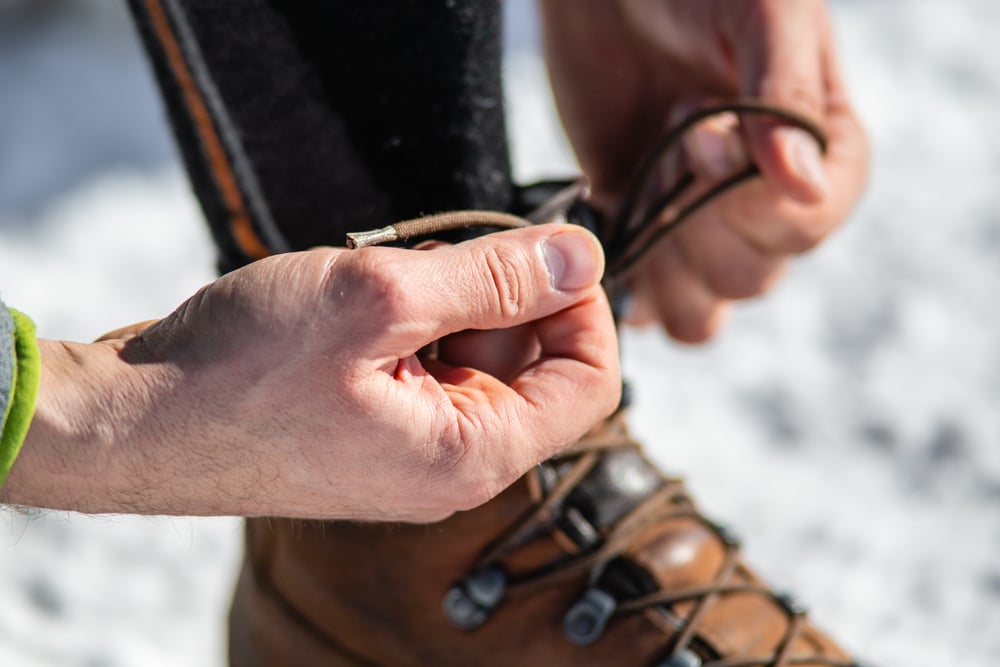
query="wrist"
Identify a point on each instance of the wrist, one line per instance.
(84, 448)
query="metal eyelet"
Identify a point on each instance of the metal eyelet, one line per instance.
(584, 623)
(469, 602)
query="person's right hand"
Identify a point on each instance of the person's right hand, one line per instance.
(624, 71)
(293, 387)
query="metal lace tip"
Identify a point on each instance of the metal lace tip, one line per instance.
(372, 237)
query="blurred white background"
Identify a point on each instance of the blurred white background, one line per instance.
(846, 424)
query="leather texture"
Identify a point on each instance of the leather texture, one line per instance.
(314, 593)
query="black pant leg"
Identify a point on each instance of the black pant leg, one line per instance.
(301, 121)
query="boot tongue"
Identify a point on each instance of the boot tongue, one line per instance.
(678, 552)
(618, 483)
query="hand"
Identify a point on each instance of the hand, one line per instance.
(624, 71)
(294, 387)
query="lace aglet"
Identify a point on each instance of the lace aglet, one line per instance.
(372, 237)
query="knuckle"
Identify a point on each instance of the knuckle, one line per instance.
(371, 282)
(505, 269)
(692, 325)
(690, 330)
(600, 389)
(740, 280)
(792, 91)
(800, 93)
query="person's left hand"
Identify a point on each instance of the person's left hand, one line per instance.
(296, 386)
(622, 72)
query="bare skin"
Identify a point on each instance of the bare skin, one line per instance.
(624, 71)
(293, 387)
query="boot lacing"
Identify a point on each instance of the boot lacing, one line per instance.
(642, 220)
(669, 502)
(649, 213)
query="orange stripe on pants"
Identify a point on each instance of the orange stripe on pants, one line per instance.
(240, 225)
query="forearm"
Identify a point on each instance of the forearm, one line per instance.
(116, 432)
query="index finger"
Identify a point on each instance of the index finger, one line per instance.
(550, 404)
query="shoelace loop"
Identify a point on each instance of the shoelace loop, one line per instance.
(649, 211)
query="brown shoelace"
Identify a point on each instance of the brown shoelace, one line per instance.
(669, 502)
(650, 212)
(641, 222)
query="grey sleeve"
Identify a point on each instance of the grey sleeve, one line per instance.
(7, 360)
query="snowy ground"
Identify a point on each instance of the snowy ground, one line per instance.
(847, 424)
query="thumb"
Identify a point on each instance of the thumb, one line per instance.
(778, 49)
(493, 282)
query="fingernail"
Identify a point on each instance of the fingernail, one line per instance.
(804, 156)
(574, 260)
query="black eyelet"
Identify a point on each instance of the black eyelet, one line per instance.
(469, 602)
(584, 623)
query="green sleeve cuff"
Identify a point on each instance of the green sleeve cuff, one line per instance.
(21, 406)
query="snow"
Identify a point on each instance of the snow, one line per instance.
(846, 424)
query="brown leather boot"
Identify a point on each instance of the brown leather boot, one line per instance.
(593, 558)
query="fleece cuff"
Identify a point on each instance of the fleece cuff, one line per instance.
(25, 372)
